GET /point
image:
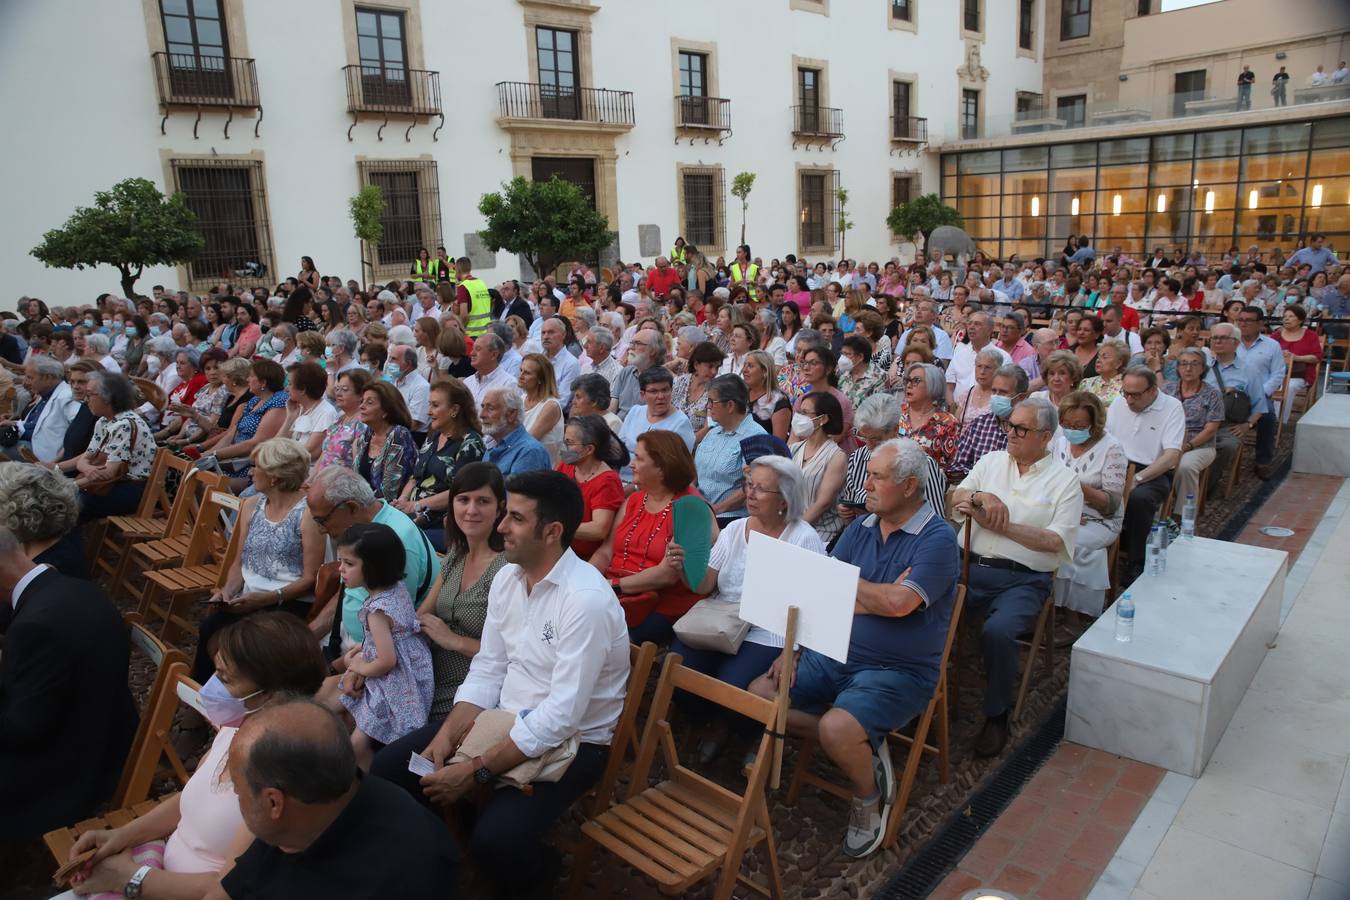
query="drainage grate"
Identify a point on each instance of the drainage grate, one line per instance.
(922, 874)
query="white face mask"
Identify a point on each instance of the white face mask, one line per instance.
(844, 365)
(803, 426)
(443, 363)
(278, 344)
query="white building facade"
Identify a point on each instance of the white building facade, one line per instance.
(270, 114)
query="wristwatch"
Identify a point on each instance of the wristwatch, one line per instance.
(481, 773)
(614, 583)
(132, 890)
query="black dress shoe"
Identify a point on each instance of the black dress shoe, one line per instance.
(992, 738)
(1264, 471)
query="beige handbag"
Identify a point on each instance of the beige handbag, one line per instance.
(713, 624)
(492, 727)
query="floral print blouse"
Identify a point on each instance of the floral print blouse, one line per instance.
(938, 436)
(337, 443)
(388, 472)
(125, 438)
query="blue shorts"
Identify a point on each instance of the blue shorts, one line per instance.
(881, 700)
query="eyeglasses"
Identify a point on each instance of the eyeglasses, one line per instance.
(1019, 431)
(752, 488)
(915, 381)
(1134, 395)
(321, 521)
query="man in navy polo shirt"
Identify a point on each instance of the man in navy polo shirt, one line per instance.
(909, 565)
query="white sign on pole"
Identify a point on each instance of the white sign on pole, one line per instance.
(779, 575)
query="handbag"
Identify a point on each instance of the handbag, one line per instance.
(1237, 406)
(102, 488)
(492, 727)
(713, 624)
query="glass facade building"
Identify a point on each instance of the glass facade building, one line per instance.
(1208, 190)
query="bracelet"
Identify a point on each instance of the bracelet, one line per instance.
(280, 598)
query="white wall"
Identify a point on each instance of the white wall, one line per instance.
(77, 91)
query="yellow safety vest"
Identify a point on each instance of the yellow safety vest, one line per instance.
(677, 256)
(423, 270)
(750, 281)
(480, 306)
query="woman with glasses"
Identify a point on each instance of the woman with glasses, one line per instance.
(591, 455)
(1083, 444)
(1202, 404)
(922, 421)
(337, 442)
(776, 498)
(819, 369)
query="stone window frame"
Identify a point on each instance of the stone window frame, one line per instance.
(894, 24)
(719, 207)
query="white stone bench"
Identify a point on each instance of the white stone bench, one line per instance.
(1322, 437)
(1200, 633)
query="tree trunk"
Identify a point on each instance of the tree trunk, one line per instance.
(743, 208)
(128, 283)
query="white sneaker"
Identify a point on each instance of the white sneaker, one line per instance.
(866, 828)
(884, 774)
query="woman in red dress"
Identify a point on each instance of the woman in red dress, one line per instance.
(1305, 349)
(590, 455)
(653, 595)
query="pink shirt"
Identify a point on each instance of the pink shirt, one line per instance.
(802, 299)
(210, 814)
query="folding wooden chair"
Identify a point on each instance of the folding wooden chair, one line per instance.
(1044, 634)
(1279, 396)
(688, 826)
(150, 521)
(205, 565)
(145, 553)
(140, 769)
(175, 688)
(1113, 555)
(935, 713)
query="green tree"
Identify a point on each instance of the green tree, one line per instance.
(741, 185)
(920, 216)
(129, 227)
(845, 223)
(365, 209)
(546, 222)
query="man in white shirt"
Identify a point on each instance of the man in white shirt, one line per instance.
(553, 654)
(511, 358)
(599, 354)
(925, 313)
(1025, 508)
(1341, 75)
(548, 308)
(1151, 427)
(1318, 78)
(488, 373)
(426, 306)
(961, 372)
(553, 336)
(1114, 329)
(415, 389)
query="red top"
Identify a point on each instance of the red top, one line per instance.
(1129, 318)
(1307, 345)
(640, 543)
(186, 391)
(660, 281)
(604, 491)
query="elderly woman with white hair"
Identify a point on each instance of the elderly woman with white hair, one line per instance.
(978, 397)
(922, 421)
(98, 348)
(1113, 355)
(776, 498)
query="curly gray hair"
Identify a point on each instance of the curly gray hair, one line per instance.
(37, 504)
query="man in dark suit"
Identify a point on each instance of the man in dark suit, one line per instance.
(507, 302)
(66, 714)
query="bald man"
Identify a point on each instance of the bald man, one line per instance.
(322, 830)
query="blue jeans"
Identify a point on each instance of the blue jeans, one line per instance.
(738, 669)
(1010, 601)
(656, 628)
(121, 500)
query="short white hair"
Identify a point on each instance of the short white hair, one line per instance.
(791, 484)
(908, 461)
(510, 399)
(340, 485)
(98, 343)
(402, 336)
(1047, 416)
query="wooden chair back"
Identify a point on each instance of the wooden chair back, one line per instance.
(224, 547)
(151, 393)
(640, 661)
(688, 827)
(167, 661)
(1282, 395)
(216, 530)
(1113, 554)
(155, 501)
(156, 746)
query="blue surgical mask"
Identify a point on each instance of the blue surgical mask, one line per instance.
(392, 371)
(1000, 406)
(154, 331)
(1076, 436)
(221, 708)
(328, 352)
(88, 323)
(131, 331)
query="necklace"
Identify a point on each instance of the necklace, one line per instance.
(651, 538)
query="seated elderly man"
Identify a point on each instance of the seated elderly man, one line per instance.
(646, 350)
(721, 476)
(1151, 426)
(985, 433)
(961, 372)
(42, 427)
(488, 371)
(1264, 357)
(909, 564)
(1024, 507)
(599, 354)
(876, 421)
(502, 412)
(414, 388)
(553, 338)
(1233, 376)
(1044, 341)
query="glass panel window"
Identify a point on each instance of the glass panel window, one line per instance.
(1211, 171)
(971, 14)
(1329, 162)
(975, 163)
(1331, 133)
(1075, 19)
(1187, 86)
(1277, 138)
(813, 209)
(1026, 23)
(1134, 150)
(1279, 165)
(978, 207)
(975, 185)
(693, 74)
(1072, 110)
(970, 114)
(1171, 173)
(1065, 155)
(700, 208)
(1173, 146)
(1218, 143)
(902, 11)
(1021, 159)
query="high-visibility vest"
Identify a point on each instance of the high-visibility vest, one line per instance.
(677, 256)
(750, 281)
(480, 306)
(422, 269)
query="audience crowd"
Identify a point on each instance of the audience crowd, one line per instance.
(499, 475)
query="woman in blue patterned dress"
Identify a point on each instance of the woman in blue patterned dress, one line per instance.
(384, 452)
(260, 419)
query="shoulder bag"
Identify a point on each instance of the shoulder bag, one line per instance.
(1237, 406)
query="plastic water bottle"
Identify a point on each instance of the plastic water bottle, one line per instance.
(1188, 518)
(1125, 618)
(1152, 552)
(1164, 540)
